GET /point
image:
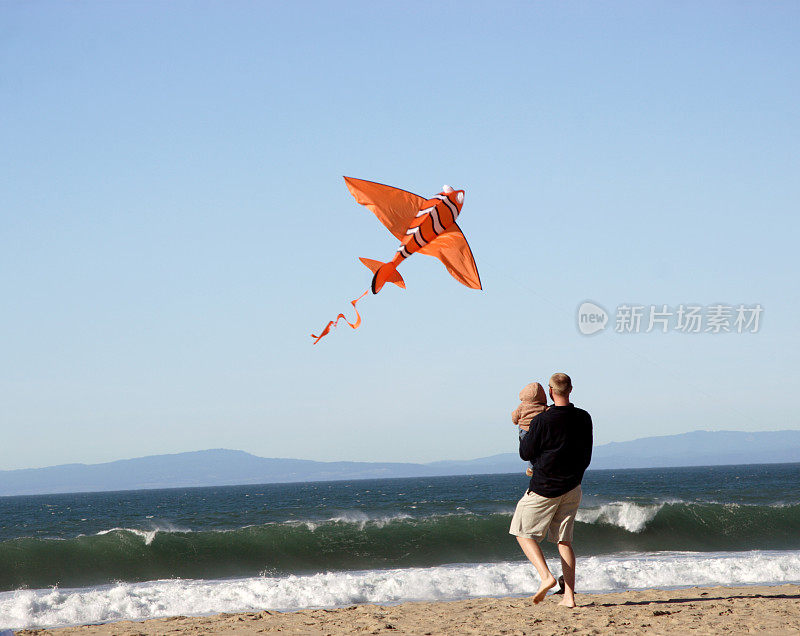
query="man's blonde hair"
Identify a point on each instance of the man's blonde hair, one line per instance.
(561, 384)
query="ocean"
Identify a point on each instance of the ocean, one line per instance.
(96, 557)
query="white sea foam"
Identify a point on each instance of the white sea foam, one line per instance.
(683, 569)
(147, 535)
(354, 517)
(630, 516)
(349, 517)
(55, 607)
(362, 520)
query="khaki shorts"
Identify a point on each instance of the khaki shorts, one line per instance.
(537, 516)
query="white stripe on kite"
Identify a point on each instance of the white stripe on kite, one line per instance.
(437, 224)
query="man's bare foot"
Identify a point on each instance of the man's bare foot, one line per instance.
(567, 603)
(546, 585)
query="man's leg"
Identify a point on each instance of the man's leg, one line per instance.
(534, 553)
(568, 570)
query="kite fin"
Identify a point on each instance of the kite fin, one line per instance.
(394, 275)
(386, 272)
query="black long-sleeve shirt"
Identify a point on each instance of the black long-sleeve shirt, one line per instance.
(559, 445)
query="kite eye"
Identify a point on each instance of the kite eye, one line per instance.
(460, 197)
(446, 189)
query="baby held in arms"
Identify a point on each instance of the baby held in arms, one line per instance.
(533, 400)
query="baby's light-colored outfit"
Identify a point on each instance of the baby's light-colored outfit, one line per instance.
(533, 400)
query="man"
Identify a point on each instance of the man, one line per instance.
(559, 445)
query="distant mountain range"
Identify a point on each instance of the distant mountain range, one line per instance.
(222, 467)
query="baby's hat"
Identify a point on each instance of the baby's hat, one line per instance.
(533, 392)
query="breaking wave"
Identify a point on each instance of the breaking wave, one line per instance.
(134, 601)
(354, 541)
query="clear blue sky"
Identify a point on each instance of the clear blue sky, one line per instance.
(174, 225)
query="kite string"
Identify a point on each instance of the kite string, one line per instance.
(333, 323)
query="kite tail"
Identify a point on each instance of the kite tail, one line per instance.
(332, 323)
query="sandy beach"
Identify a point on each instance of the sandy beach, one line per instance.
(700, 610)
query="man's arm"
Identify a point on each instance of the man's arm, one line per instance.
(588, 442)
(529, 443)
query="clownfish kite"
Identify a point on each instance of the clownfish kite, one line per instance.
(427, 226)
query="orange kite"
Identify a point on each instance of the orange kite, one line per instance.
(427, 226)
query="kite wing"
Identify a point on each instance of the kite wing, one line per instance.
(395, 208)
(452, 249)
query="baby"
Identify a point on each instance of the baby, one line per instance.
(533, 401)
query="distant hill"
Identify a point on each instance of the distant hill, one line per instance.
(218, 467)
(701, 448)
(222, 467)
